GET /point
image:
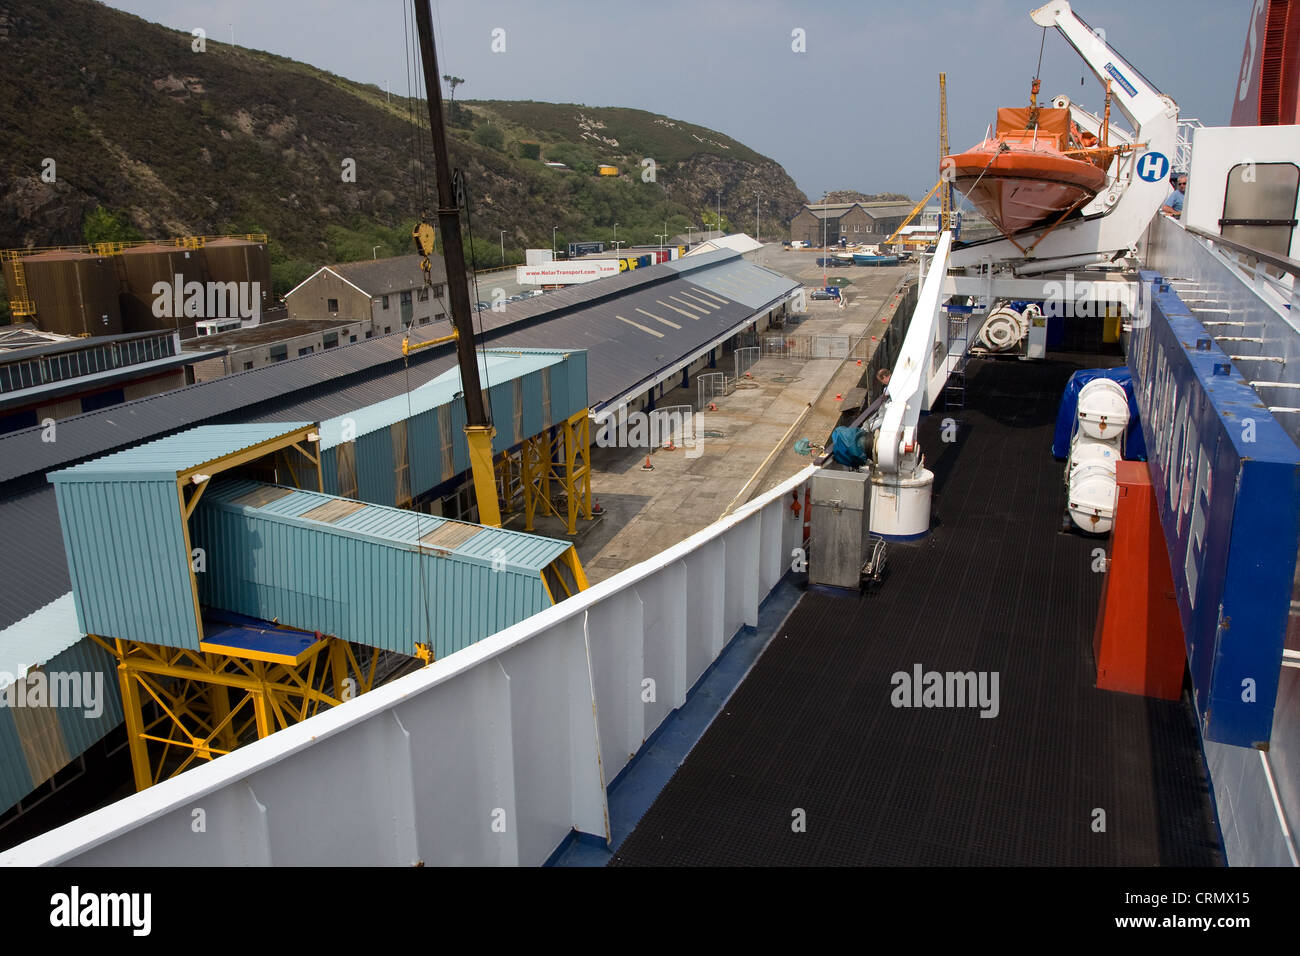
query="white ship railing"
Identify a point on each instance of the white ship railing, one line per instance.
(1183, 149)
(492, 756)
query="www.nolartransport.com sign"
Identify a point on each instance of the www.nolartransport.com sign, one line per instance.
(566, 273)
(1226, 478)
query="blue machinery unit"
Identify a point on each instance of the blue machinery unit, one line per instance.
(1227, 486)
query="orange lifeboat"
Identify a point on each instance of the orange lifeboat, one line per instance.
(1036, 167)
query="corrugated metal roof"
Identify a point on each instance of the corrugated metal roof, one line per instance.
(14, 350)
(32, 563)
(39, 637)
(888, 210)
(744, 282)
(168, 457)
(738, 241)
(94, 381)
(28, 451)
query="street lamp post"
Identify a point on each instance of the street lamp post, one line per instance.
(757, 197)
(823, 251)
(662, 237)
(503, 247)
(374, 253)
(688, 234)
(553, 228)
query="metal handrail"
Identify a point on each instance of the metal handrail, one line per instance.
(1285, 263)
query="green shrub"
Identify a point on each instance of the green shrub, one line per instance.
(103, 225)
(489, 136)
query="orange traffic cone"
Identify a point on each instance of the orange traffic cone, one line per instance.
(647, 466)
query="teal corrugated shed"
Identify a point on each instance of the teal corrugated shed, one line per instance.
(529, 390)
(329, 471)
(363, 577)
(81, 730)
(124, 534)
(38, 741)
(128, 561)
(15, 779)
(376, 469)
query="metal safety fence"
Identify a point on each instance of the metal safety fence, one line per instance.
(711, 386)
(746, 359)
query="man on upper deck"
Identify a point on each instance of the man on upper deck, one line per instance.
(1174, 204)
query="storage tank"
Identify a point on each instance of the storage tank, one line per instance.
(75, 293)
(242, 261)
(1091, 492)
(1103, 409)
(1090, 481)
(144, 266)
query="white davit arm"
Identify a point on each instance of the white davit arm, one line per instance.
(1116, 218)
(1137, 99)
(897, 451)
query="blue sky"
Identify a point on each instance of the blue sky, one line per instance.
(857, 110)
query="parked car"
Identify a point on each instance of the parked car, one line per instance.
(820, 294)
(480, 306)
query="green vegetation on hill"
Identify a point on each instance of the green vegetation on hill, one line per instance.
(104, 226)
(852, 195)
(154, 139)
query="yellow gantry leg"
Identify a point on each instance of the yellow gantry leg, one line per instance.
(479, 439)
(135, 741)
(191, 693)
(565, 460)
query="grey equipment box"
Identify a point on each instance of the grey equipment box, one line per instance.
(841, 512)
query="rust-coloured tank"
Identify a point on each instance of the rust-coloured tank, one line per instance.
(144, 267)
(74, 293)
(242, 261)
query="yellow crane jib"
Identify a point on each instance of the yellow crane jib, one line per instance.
(408, 348)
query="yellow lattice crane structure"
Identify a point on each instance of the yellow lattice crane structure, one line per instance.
(945, 187)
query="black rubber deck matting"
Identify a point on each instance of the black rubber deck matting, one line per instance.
(1065, 774)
